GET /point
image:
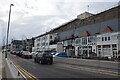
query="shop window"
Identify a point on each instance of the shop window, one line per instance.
(106, 46)
(99, 46)
(114, 47)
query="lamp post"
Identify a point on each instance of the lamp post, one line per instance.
(8, 30)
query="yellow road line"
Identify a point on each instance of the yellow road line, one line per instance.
(28, 73)
(90, 70)
(25, 73)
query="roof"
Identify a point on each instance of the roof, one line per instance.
(86, 33)
(18, 42)
(107, 29)
(87, 21)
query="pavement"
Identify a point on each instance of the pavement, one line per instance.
(1, 66)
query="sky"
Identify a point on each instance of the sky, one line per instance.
(30, 18)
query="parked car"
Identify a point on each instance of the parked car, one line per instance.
(19, 53)
(26, 54)
(60, 54)
(92, 54)
(34, 54)
(53, 53)
(43, 57)
(13, 52)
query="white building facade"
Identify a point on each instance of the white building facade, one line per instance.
(99, 45)
(107, 44)
(45, 42)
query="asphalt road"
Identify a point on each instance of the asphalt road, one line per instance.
(57, 70)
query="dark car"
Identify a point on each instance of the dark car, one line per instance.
(26, 54)
(43, 58)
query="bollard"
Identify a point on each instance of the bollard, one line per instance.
(18, 73)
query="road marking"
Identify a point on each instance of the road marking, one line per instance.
(88, 70)
(26, 72)
(99, 70)
(29, 73)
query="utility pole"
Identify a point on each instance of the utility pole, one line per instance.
(8, 30)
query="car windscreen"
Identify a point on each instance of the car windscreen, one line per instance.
(25, 52)
(61, 53)
(53, 53)
(47, 55)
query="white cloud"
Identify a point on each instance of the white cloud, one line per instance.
(34, 17)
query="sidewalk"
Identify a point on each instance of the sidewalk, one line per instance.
(8, 70)
(1, 65)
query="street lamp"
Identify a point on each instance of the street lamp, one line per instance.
(8, 29)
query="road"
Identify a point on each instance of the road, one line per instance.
(57, 70)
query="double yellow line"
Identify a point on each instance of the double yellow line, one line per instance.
(26, 73)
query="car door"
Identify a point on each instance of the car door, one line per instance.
(62, 55)
(36, 58)
(59, 55)
(40, 56)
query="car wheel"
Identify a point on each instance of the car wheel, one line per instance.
(50, 62)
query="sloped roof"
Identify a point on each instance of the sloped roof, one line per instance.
(107, 29)
(86, 33)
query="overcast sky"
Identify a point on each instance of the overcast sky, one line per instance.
(30, 18)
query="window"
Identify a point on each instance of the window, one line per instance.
(47, 55)
(114, 37)
(50, 37)
(102, 38)
(39, 55)
(99, 46)
(38, 39)
(89, 39)
(37, 44)
(105, 38)
(46, 44)
(114, 47)
(108, 38)
(106, 46)
(98, 39)
(84, 40)
(77, 41)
